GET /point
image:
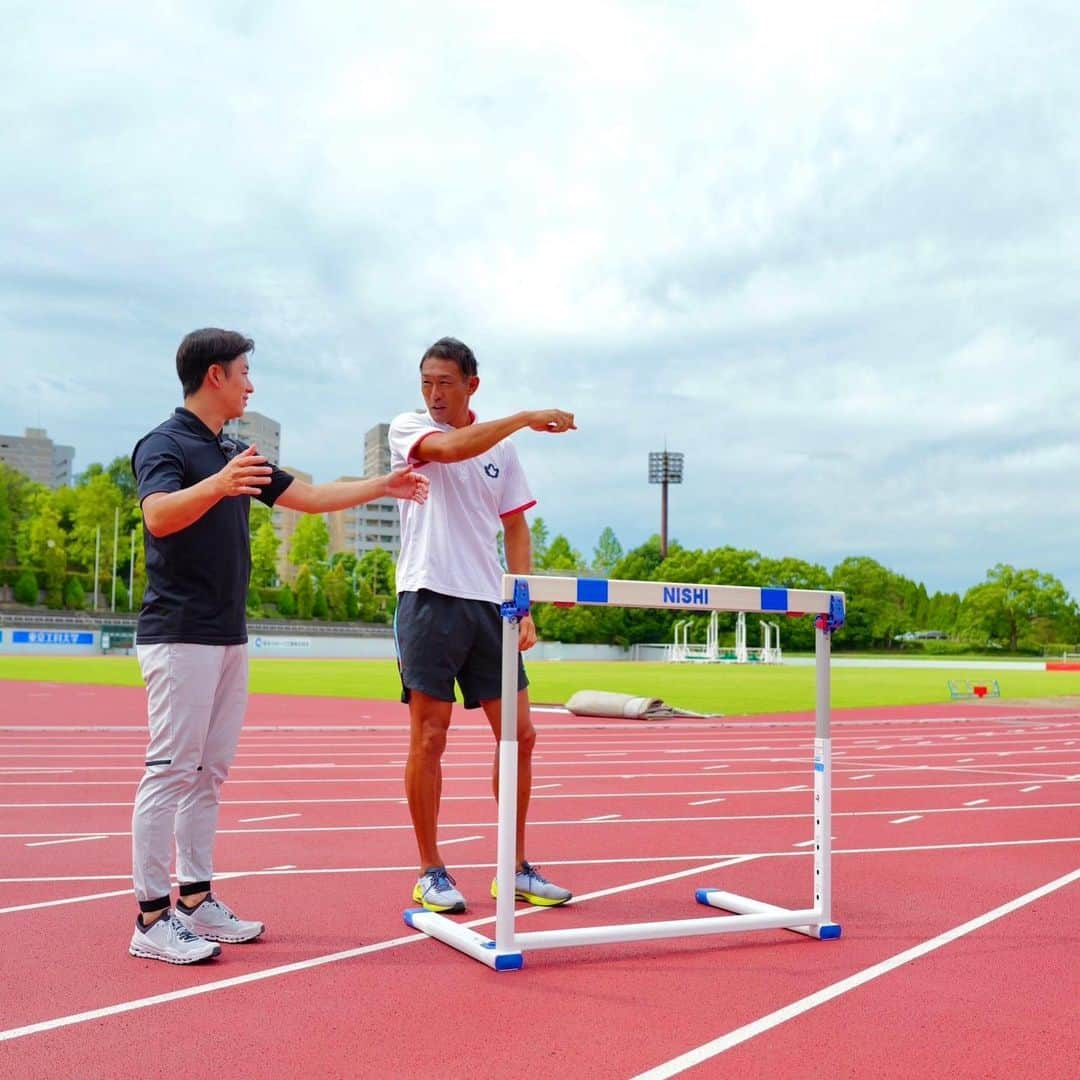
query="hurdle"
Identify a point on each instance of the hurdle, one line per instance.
(506, 951)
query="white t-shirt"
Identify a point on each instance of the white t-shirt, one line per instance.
(448, 544)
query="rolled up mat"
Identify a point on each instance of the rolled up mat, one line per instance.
(606, 703)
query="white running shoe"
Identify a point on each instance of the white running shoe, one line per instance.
(435, 890)
(531, 886)
(213, 921)
(169, 940)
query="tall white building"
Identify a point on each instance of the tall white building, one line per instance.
(36, 456)
(377, 450)
(257, 430)
(361, 529)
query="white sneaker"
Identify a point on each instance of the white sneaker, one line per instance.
(169, 940)
(213, 921)
(436, 891)
(531, 886)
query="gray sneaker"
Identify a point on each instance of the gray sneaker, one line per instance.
(437, 891)
(213, 921)
(169, 940)
(532, 887)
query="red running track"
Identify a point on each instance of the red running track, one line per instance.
(952, 819)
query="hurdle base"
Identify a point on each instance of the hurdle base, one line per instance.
(743, 905)
(463, 938)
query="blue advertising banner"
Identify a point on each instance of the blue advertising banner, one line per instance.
(52, 637)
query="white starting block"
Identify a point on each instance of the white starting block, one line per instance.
(505, 952)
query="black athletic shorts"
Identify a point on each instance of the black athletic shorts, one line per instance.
(442, 638)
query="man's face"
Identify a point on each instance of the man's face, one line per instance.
(234, 385)
(446, 391)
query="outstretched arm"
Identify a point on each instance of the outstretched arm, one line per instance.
(341, 494)
(468, 442)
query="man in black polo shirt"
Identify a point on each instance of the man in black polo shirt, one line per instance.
(195, 488)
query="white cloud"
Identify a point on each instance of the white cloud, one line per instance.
(828, 252)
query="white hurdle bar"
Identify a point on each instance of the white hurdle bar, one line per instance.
(505, 952)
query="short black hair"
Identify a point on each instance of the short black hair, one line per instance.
(449, 348)
(201, 348)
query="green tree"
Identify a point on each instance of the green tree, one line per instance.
(286, 603)
(15, 493)
(310, 543)
(607, 553)
(561, 556)
(26, 588)
(1018, 607)
(74, 594)
(376, 568)
(320, 609)
(335, 589)
(539, 531)
(264, 553)
(305, 594)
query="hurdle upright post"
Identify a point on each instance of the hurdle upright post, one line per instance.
(506, 845)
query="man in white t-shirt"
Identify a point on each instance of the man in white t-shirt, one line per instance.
(447, 625)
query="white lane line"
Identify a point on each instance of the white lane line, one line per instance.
(864, 776)
(458, 840)
(544, 787)
(852, 982)
(905, 820)
(1034, 787)
(795, 787)
(33, 772)
(976, 802)
(706, 802)
(320, 961)
(603, 819)
(707, 767)
(272, 817)
(110, 895)
(807, 843)
(68, 840)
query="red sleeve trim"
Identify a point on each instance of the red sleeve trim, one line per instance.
(517, 510)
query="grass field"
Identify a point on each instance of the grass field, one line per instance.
(703, 688)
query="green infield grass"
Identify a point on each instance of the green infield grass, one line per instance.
(717, 688)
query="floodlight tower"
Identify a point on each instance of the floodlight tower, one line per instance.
(665, 468)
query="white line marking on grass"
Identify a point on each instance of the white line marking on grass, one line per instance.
(905, 820)
(69, 840)
(706, 802)
(852, 982)
(1034, 787)
(272, 817)
(976, 802)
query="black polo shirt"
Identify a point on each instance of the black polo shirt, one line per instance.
(197, 578)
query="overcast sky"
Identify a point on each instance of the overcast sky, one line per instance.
(828, 251)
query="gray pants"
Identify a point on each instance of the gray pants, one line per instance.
(196, 698)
